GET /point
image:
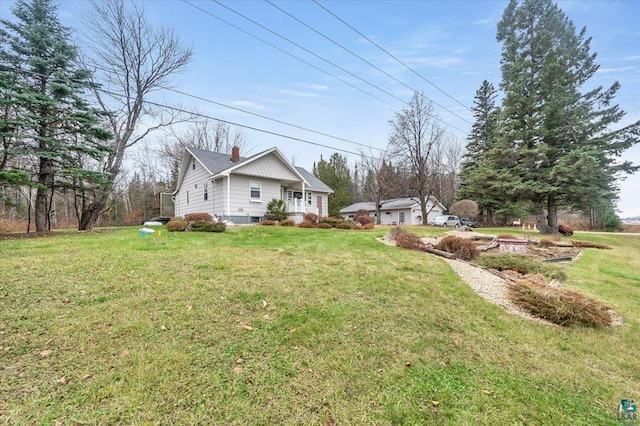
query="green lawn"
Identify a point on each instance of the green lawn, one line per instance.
(266, 325)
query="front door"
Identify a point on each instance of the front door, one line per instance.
(319, 204)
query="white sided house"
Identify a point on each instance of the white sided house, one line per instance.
(238, 189)
(398, 211)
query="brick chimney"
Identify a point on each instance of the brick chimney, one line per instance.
(235, 154)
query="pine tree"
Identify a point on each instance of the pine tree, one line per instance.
(486, 155)
(337, 175)
(561, 131)
(44, 86)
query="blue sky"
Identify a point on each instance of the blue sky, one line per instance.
(450, 44)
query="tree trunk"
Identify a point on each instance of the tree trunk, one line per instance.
(45, 182)
(378, 216)
(541, 218)
(552, 213)
(423, 209)
(91, 211)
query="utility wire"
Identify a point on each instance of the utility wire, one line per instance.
(306, 62)
(299, 46)
(289, 54)
(392, 56)
(200, 98)
(364, 60)
(196, 114)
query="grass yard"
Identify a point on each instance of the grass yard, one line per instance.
(273, 325)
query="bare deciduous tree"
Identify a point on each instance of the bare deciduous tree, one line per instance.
(379, 180)
(132, 59)
(216, 136)
(416, 144)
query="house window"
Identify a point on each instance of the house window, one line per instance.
(206, 192)
(187, 197)
(254, 188)
(401, 217)
(193, 164)
(309, 198)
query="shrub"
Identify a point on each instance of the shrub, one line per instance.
(361, 212)
(396, 230)
(275, 210)
(410, 241)
(521, 264)
(198, 217)
(312, 217)
(204, 226)
(324, 225)
(287, 222)
(344, 225)
(306, 224)
(587, 244)
(560, 306)
(368, 226)
(364, 220)
(333, 221)
(176, 224)
(545, 242)
(462, 247)
(269, 223)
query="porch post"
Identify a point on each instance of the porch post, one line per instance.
(304, 199)
(228, 197)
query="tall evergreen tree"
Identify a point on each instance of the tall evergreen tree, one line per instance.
(44, 85)
(484, 155)
(337, 175)
(561, 131)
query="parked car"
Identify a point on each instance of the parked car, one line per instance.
(446, 220)
(467, 221)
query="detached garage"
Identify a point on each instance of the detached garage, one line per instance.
(398, 211)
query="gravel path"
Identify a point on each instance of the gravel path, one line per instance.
(490, 287)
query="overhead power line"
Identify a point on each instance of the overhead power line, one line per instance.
(275, 120)
(366, 61)
(287, 53)
(311, 53)
(392, 56)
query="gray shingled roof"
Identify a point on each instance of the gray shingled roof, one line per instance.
(315, 184)
(397, 203)
(217, 162)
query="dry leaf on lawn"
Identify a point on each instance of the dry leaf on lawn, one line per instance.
(46, 352)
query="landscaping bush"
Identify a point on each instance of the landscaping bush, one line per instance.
(396, 230)
(560, 306)
(312, 217)
(269, 223)
(198, 217)
(361, 212)
(324, 225)
(464, 248)
(587, 244)
(521, 264)
(344, 225)
(176, 224)
(287, 222)
(410, 241)
(333, 221)
(306, 224)
(275, 210)
(203, 226)
(364, 220)
(546, 242)
(368, 226)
